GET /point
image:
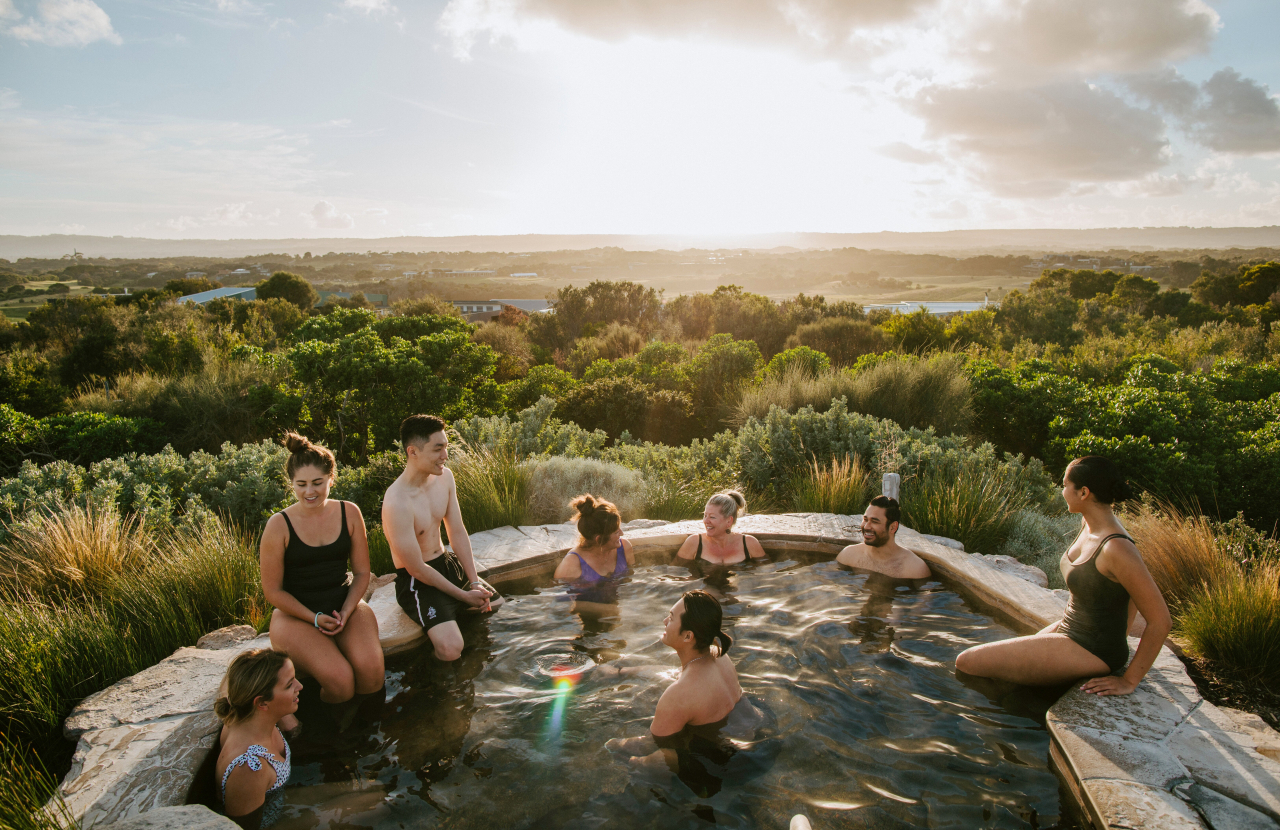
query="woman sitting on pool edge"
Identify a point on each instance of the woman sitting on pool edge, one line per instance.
(1108, 581)
(720, 545)
(320, 618)
(599, 559)
(260, 691)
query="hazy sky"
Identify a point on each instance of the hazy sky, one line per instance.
(242, 118)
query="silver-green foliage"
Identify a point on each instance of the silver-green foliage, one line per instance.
(1038, 539)
(557, 480)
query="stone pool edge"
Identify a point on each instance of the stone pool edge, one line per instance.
(1160, 758)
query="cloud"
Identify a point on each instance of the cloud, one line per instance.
(376, 211)
(235, 215)
(9, 98)
(369, 6)
(808, 23)
(1015, 37)
(325, 215)
(63, 23)
(1228, 113)
(1038, 141)
(905, 152)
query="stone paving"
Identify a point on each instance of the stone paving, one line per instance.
(1160, 759)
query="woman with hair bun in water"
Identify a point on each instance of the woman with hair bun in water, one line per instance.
(320, 617)
(720, 545)
(1108, 583)
(600, 559)
(260, 690)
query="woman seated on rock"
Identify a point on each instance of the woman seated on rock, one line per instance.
(320, 619)
(260, 690)
(600, 558)
(703, 719)
(720, 545)
(1108, 582)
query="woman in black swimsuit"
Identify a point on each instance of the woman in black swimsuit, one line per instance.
(320, 619)
(1108, 582)
(720, 545)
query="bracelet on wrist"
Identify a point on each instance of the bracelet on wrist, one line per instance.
(317, 620)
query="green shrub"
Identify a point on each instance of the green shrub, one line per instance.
(544, 381)
(965, 499)
(795, 387)
(367, 484)
(1234, 624)
(380, 561)
(916, 332)
(808, 360)
(555, 481)
(614, 405)
(716, 375)
(842, 339)
(842, 485)
(78, 437)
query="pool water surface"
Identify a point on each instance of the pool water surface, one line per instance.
(865, 722)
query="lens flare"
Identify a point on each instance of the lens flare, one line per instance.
(564, 687)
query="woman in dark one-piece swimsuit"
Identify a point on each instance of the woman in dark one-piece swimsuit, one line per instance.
(1108, 582)
(320, 619)
(720, 545)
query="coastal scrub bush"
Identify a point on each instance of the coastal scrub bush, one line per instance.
(916, 332)
(791, 389)
(555, 481)
(1039, 539)
(544, 380)
(914, 392)
(842, 339)
(613, 405)
(804, 358)
(716, 375)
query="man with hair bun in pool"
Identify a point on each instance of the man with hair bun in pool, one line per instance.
(879, 550)
(432, 586)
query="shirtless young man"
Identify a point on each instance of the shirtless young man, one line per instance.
(432, 586)
(879, 551)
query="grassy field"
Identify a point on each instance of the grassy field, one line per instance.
(19, 308)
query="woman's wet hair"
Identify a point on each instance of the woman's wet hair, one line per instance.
(1101, 476)
(729, 503)
(596, 518)
(251, 675)
(702, 616)
(303, 453)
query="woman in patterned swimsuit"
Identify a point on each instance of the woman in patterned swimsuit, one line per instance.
(1108, 583)
(253, 764)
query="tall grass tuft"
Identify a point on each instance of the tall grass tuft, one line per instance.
(1234, 624)
(556, 480)
(1180, 551)
(29, 796)
(963, 499)
(58, 648)
(842, 486)
(493, 487)
(675, 501)
(380, 561)
(792, 389)
(77, 551)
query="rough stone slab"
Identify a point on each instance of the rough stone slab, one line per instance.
(183, 683)
(1250, 730)
(227, 637)
(1009, 565)
(1101, 755)
(954, 544)
(1141, 716)
(396, 631)
(1128, 805)
(186, 817)
(1222, 813)
(124, 771)
(1217, 759)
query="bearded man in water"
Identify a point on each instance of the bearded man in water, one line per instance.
(432, 585)
(879, 550)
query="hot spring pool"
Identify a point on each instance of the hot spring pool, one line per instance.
(870, 727)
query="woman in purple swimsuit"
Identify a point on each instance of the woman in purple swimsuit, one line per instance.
(600, 558)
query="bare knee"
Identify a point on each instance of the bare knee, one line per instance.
(448, 652)
(338, 684)
(969, 662)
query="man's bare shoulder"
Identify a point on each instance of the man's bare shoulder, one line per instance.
(852, 555)
(912, 566)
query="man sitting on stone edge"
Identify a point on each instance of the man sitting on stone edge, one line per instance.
(432, 586)
(879, 550)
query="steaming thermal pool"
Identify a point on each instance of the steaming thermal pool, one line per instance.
(866, 724)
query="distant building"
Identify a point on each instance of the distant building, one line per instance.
(526, 274)
(527, 306)
(481, 274)
(229, 293)
(239, 272)
(194, 274)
